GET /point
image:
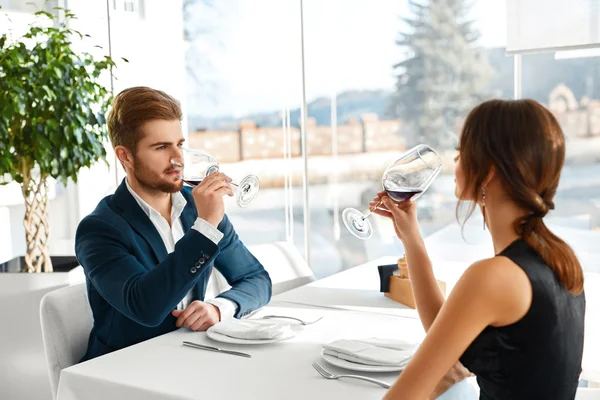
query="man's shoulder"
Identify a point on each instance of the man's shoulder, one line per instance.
(104, 213)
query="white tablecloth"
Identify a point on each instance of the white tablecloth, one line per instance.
(162, 368)
(352, 307)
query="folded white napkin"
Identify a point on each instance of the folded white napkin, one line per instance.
(377, 352)
(252, 329)
(393, 344)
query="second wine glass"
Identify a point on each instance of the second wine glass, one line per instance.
(405, 179)
(197, 165)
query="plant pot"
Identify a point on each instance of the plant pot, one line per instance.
(59, 264)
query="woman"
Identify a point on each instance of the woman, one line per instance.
(515, 320)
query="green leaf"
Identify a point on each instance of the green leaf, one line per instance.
(48, 91)
(47, 94)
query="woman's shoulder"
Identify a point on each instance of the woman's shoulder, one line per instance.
(503, 284)
(497, 271)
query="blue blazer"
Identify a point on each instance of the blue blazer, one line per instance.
(133, 284)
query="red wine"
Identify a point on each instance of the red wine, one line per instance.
(402, 195)
(192, 182)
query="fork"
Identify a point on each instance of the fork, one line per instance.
(329, 375)
(294, 318)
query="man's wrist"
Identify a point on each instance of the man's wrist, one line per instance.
(208, 229)
(227, 308)
(218, 310)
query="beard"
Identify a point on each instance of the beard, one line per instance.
(155, 182)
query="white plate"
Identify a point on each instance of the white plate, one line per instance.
(338, 362)
(228, 339)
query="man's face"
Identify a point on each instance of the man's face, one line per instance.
(161, 141)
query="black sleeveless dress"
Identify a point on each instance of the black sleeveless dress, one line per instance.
(538, 357)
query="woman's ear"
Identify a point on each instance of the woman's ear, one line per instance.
(490, 176)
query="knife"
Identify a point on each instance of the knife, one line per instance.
(216, 349)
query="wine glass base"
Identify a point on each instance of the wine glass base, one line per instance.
(247, 190)
(356, 224)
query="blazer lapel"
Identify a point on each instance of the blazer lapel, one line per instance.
(139, 221)
(189, 214)
(188, 217)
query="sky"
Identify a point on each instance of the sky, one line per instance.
(254, 50)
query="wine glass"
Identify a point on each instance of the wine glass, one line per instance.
(405, 179)
(197, 165)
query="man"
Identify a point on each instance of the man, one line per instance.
(148, 249)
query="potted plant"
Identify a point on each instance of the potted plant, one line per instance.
(52, 104)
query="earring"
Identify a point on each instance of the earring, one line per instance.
(483, 206)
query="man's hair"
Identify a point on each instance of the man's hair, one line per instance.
(135, 106)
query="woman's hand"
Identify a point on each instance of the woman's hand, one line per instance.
(404, 214)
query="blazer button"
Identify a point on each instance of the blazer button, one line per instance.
(201, 261)
(193, 270)
(197, 265)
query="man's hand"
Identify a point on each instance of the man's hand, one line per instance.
(198, 316)
(455, 375)
(208, 196)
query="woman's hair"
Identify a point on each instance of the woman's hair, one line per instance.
(523, 141)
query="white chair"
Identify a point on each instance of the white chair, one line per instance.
(285, 265)
(281, 260)
(67, 320)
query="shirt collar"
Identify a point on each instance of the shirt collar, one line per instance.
(178, 203)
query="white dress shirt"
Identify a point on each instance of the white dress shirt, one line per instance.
(171, 235)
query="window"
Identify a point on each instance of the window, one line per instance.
(371, 96)
(570, 88)
(128, 6)
(243, 81)
(245, 103)
(28, 6)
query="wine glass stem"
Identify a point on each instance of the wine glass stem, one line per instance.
(231, 183)
(369, 212)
